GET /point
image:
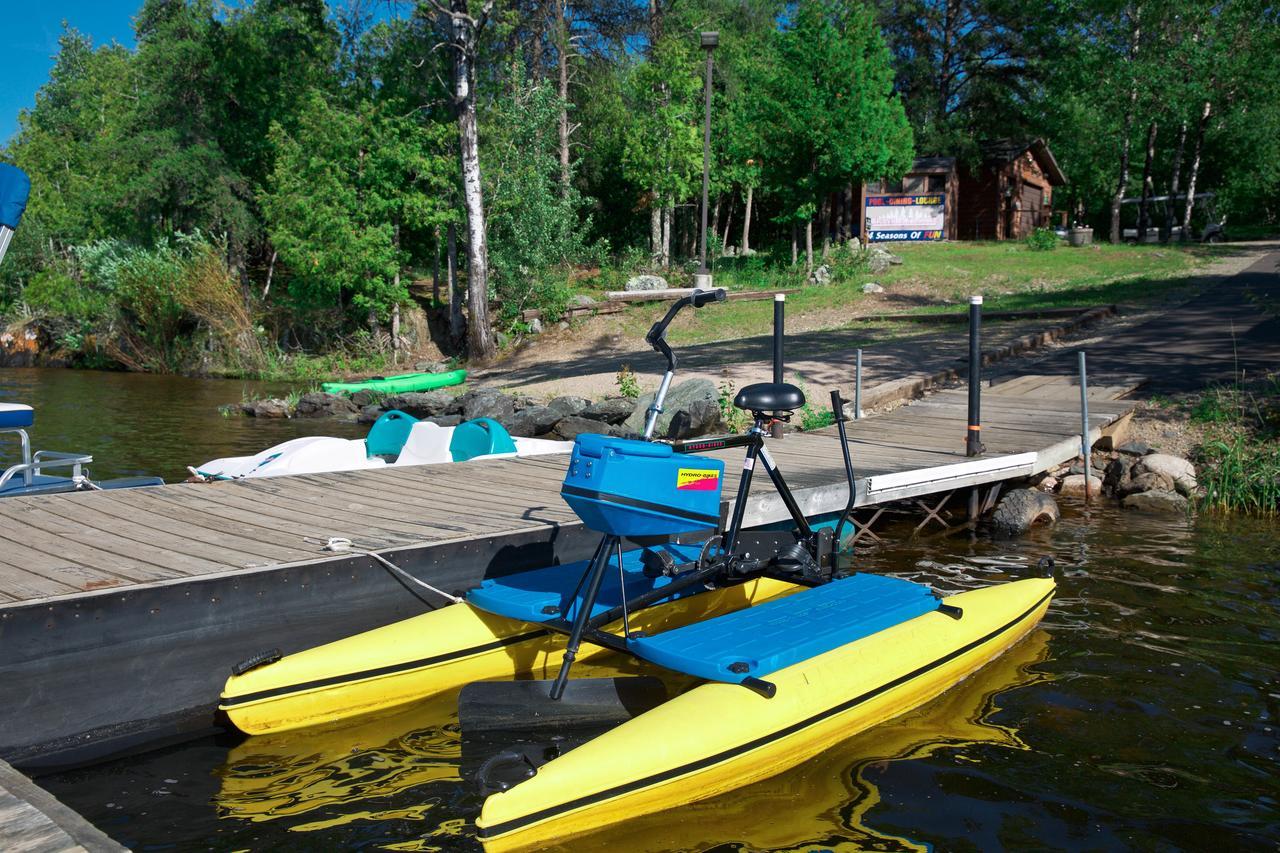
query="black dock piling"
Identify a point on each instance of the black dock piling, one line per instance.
(779, 306)
(973, 437)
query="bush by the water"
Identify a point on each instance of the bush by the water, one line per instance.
(1240, 456)
(159, 308)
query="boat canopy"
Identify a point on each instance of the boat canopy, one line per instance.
(15, 186)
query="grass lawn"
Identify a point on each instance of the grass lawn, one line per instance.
(933, 278)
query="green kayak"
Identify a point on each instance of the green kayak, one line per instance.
(399, 384)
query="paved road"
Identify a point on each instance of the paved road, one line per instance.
(1231, 328)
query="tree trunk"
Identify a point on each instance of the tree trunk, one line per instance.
(728, 223)
(395, 306)
(1174, 183)
(746, 223)
(435, 269)
(1148, 189)
(666, 236)
(1195, 170)
(795, 244)
(456, 329)
(395, 328)
(824, 220)
(271, 270)
(480, 344)
(655, 232)
(1134, 36)
(808, 245)
(715, 223)
(562, 48)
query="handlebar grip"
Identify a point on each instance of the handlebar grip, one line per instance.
(702, 297)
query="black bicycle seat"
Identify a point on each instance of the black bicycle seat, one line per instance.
(769, 397)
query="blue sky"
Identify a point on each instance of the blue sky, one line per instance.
(29, 40)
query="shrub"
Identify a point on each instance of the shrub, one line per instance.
(1041, 240)
(628, 385)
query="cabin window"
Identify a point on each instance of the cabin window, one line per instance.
(893, 186)
(874, 187)
(937, 183)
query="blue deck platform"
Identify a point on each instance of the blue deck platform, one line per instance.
(785, 631)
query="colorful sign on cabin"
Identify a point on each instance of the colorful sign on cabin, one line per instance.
(906, 217)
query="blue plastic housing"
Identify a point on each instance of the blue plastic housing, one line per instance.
(637, 488)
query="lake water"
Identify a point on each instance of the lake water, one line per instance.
(138, 423)
(1142, 714)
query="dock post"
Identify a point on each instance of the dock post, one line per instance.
(857, 386)
(779, 305)
(973, 435)
(973, 443)
(1084, 424)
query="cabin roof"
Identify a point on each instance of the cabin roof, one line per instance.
(932, 165)
(1009, 149)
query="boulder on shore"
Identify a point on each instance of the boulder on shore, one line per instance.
(318, 404)
(1156, 501)
(1180, 472)
(698, 398)
(611, 410)
(487, 403)
(646, 281)
(1073, 484)
(569, 404)
(534, 421)
(572, 426)
(272, 407)
(420, 404)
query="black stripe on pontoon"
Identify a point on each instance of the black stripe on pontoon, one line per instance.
(579, 492)
(701, 764)
(382, 670)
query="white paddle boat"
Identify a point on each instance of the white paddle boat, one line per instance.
(396, 438)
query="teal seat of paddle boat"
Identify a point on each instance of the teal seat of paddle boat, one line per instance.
(389, 433)
(480, 437)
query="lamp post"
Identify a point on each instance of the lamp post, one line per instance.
(703, 277)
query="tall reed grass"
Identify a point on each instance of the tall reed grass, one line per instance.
(1240, 455)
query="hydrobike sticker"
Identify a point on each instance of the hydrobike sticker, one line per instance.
(697, 480)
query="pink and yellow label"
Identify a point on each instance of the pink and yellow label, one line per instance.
(697, 480)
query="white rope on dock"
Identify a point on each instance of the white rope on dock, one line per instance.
(341, 544)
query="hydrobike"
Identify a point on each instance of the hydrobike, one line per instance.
(396, 438)
(791, 653)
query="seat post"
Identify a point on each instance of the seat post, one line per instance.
(744, 487)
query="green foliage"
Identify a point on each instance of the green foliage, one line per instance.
(1241, 473)
(1041, 240)
(345, 184)
(535, 231)
(628, 385)
(663, 145)
(829, 112)
(735, 420)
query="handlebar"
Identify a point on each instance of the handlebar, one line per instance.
(697, 299)
(657, 338)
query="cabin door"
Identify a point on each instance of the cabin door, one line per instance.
(1028, 216)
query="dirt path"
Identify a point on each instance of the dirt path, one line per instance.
(1230, 329)
(824, 359)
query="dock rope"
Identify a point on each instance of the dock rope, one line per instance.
(341, 544)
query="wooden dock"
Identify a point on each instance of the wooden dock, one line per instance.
(198, 576)
(33, 821)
